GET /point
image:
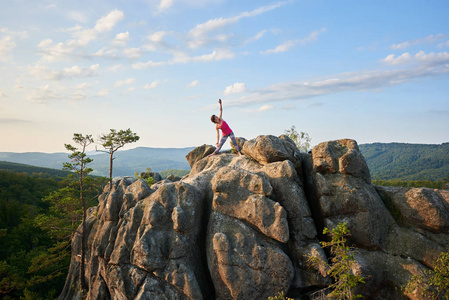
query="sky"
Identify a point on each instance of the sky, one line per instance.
(372, 71)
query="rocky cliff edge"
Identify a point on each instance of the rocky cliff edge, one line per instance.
(240, 227)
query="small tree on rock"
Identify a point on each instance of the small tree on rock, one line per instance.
(78, 163)
(301, 139)
(342, 261)
(115, 140)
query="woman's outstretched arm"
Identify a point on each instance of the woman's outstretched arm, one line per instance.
(221, 109)
(218, 136)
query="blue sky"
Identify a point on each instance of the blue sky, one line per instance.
(373, 71)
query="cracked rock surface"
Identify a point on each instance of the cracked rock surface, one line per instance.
(240, 227)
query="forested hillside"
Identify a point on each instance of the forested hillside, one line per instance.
(38, 171)
(21, 240)
(400, 161)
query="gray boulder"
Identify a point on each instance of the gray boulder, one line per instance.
(242, 227)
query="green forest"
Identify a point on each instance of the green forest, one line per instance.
(405, 162)
(22, 240)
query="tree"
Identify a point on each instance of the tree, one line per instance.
(115, 140)
(78, 164)
(302, 139)
(340, 268)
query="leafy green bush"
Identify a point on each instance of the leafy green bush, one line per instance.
(342, 261)
(146, 176)
(434, 283)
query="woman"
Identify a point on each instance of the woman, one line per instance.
(225, 130)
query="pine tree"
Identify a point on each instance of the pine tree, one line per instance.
(78, 164)
(115, 140)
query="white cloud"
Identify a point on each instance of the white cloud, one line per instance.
(400, 46)
(286, 46)
(236, 88)
(148, 64)
(155, 41)
(45, 43)
(40, 71)
(83, 86)
(216, 55)
(132, 52)
(121, 38)
(123, 82)
(444, 44)
(193, 84)
(266, 107)
(199, 33)
(44, 94)
(421, 58)
(77, 71)
(165, 4)
(157, 37)
(78, 16)
(312, 37)
(108, 22)
(12, 33)
(426, 40)
(433, 58)
(393, 60)
(103, 92)
(81, 37)
(6, 45)
(282, 47)
(152, 85)
(262, 108)
(105, 52)
(78, 96)
(348, 82)
(116, 67)
(258, 36)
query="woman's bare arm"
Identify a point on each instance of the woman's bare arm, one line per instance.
(218, 135)
(221, 109)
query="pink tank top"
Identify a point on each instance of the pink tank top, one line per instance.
(225, 129)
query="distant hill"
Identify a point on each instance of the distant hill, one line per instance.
(401, 161)
(22, 168)
(39, 159)
(386, 161)
(126, 162)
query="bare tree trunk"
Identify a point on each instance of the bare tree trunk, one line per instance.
(110, 170)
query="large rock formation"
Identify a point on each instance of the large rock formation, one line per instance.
(241, 227)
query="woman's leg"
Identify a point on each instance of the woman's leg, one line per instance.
(222, 141)
(234, 141)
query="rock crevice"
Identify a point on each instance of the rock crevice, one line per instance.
(241, 227)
